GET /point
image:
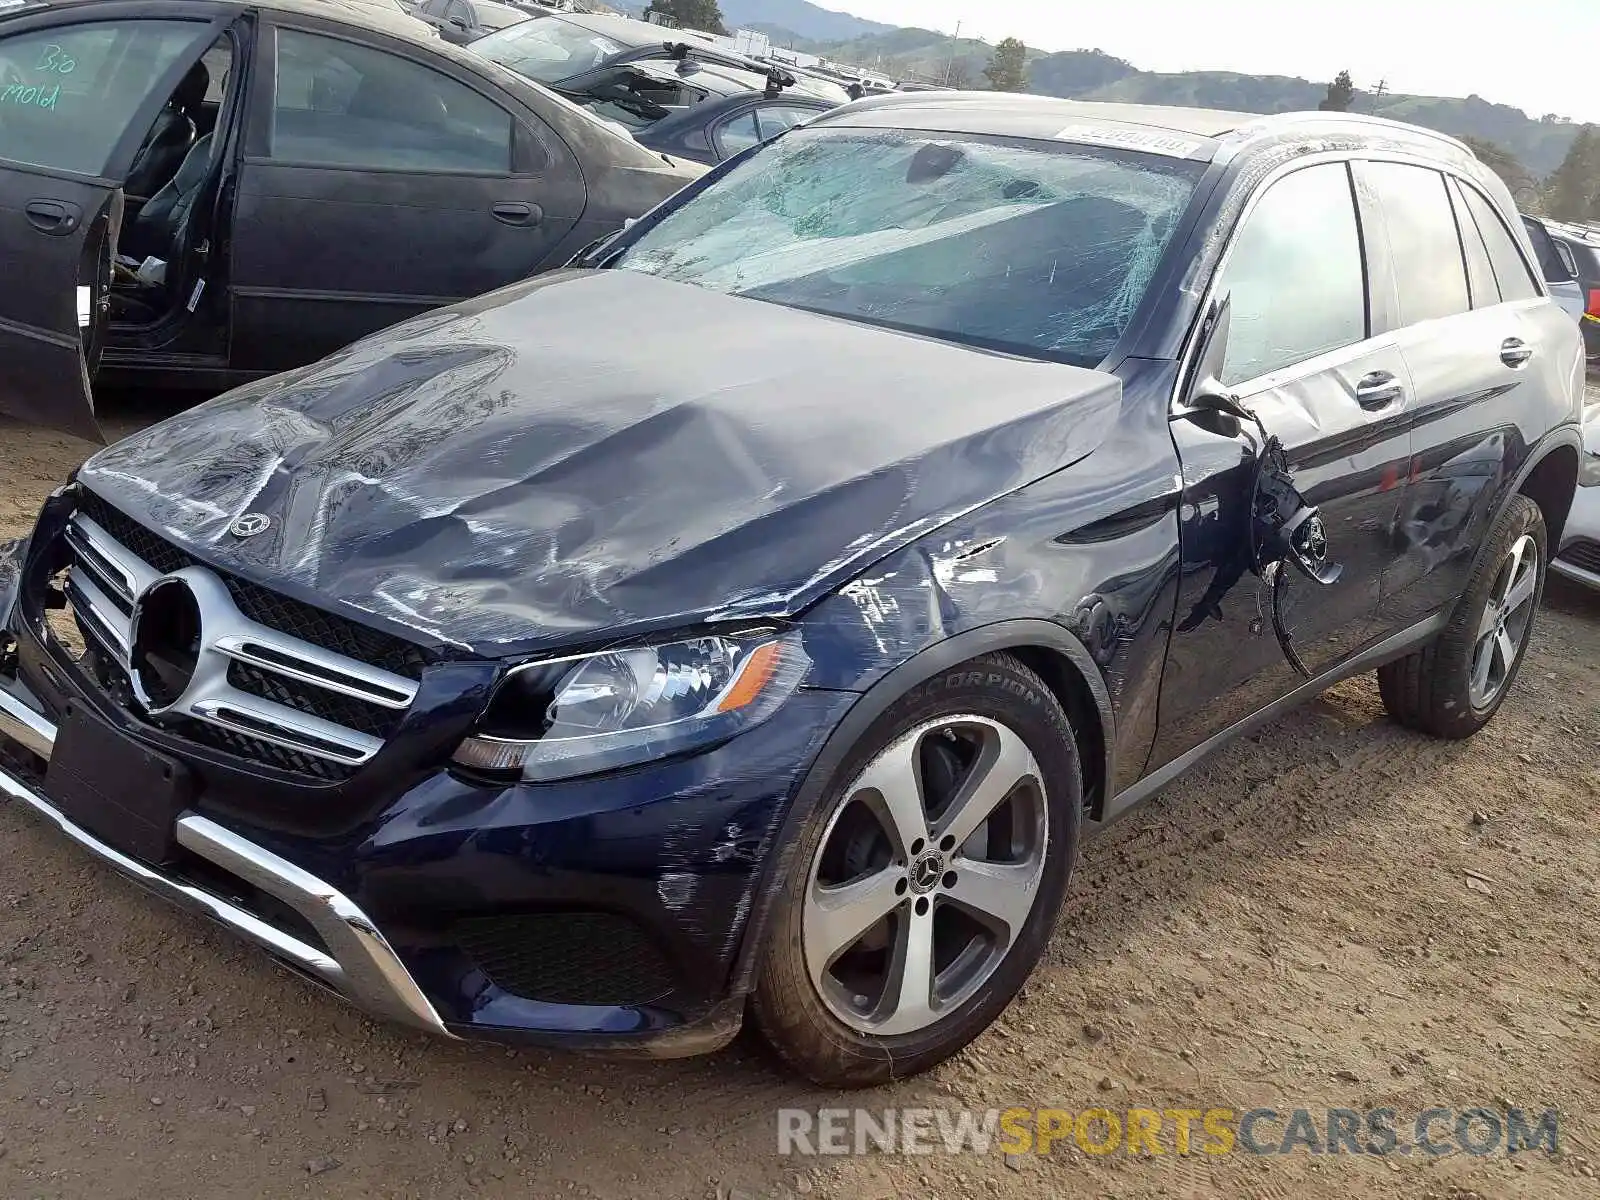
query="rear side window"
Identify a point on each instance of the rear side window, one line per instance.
(775, 118)
(1423, 242)
(737, 135)
(1294, 278)
(340, 104)
(1510, 270)
(67, 94)
(1480, 274)
(1552, 265)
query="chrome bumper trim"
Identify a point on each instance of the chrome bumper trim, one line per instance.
(360, 964)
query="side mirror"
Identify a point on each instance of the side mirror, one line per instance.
(458, 23)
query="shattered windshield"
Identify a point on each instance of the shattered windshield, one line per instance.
(1030, 247)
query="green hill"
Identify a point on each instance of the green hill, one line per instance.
(1538, 143)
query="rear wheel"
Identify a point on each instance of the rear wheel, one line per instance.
(927, 881)
(1453, 686)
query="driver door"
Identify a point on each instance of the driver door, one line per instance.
(79, 88)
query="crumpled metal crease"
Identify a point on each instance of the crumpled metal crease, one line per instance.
(496, 477)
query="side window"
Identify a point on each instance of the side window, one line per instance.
(1510, 269)
(1295, 278)
(461, 11)
(737, 135)
(340, 104)
(1480, 275)
(1423, 242)
(775, 118)
(67, 94)
(436, 8)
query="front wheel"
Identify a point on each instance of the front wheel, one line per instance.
(927, 881)
(1453, 686)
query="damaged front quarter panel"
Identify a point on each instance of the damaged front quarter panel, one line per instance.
(12, 554)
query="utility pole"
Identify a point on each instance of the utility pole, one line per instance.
(1377, 93)
(950, 67)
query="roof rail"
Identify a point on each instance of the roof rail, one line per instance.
(1275, 121)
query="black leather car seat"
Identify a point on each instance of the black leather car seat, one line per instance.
(159, 226)
(171, 137)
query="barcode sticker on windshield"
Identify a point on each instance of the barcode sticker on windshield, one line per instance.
(1152, 141)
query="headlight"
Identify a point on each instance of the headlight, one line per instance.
(602, 711)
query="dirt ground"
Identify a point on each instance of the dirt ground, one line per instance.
(1333, 913)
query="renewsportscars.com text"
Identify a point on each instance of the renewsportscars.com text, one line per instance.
(1432, 1132)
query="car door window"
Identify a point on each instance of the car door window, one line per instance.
(68, 94)
(775, 118)
(1294, 276)
(1485, 292)
(737, 135)
(1510, 269)
(341, 104)
(1423, 242)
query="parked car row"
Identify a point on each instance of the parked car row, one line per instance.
(747, 621)
(307, 174)
(683, 95)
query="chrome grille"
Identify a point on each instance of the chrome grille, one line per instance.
(255, 691)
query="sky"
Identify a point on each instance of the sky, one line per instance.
(1536, 55)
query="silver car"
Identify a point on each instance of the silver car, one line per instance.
(1579, 556)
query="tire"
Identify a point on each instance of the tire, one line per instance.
(1435, 690)
(963, 733)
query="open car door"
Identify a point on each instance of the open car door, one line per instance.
(79, 89)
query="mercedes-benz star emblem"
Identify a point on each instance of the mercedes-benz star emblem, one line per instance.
(925, 872)
(250, 524)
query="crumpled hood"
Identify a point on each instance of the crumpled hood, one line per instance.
(599, 453)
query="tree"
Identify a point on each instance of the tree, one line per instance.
(1519, 181)
(1008, 68)
(1341, 94)
(1574, 189)
(703, 15)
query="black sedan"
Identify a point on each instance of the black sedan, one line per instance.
(737, 112)
(706, 112)
(308, 171)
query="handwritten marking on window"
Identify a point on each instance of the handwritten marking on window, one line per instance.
(29, 96)
(57, 60)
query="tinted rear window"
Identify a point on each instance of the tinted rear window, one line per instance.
(1036, 248)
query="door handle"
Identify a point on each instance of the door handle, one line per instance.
(1378, 390)
(55, 217)
(1515, 352)
(518, 213)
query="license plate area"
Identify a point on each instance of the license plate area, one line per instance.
(128, 796)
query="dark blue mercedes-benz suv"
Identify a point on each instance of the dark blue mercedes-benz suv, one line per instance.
(750, 620)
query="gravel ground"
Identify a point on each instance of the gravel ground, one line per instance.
(1332, 913)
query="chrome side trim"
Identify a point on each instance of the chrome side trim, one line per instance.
(23, 724)
(359, 963)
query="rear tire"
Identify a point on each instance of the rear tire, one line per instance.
(1453, 686)
(948, 834)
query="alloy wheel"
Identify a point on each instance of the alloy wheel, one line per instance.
(925, 875)
(1507, 618)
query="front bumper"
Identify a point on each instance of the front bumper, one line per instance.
(358, 964)
(408, 888)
